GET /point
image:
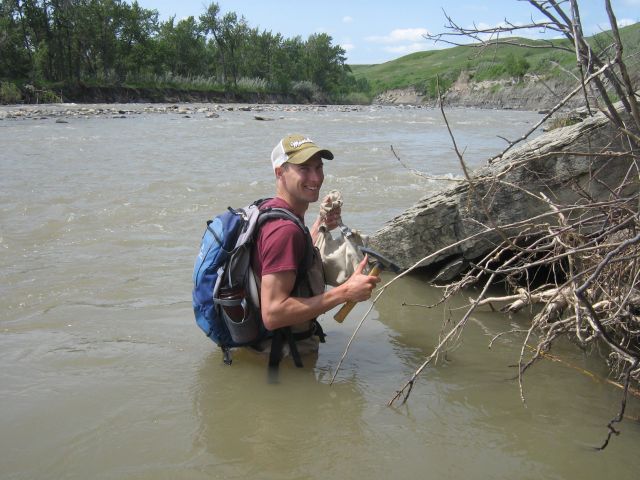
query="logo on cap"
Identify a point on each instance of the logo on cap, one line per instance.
(297, 143)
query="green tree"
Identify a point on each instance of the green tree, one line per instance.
(136, 48)
(257, 54)
(235, 33)
(182, 47)
(324, 62)
(15, 51)
(288, 63)
(211, 26)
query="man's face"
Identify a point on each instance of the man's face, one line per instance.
(302, 182)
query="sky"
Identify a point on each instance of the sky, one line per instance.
(376, 31)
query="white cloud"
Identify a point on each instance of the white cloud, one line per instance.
(347, 44)
(625, 22)
(347, 19)
(400, 35)
(408, 48)
(605, 27)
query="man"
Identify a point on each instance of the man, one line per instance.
(291, 298)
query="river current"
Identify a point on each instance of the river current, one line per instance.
(106, 376)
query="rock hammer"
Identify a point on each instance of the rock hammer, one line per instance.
(380, 263)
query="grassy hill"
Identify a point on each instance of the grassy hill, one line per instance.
(501, 60)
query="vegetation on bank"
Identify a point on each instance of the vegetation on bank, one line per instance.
(57, 46)
(508, 58)
(57, 49)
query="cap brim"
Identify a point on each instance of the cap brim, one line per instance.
(304, 155)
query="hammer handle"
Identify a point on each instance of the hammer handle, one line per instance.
(348, 306)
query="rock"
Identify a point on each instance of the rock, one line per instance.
(400, 96)
(545, 165)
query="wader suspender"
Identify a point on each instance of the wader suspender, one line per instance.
(285, 334)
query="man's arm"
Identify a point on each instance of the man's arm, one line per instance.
(279, 309)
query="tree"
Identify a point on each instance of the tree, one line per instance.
(135, 40)
(325, 63)
(182, 47)
(15, 50)
(234, 32)
(211, 26)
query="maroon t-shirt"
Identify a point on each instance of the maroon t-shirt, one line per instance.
(280, 245)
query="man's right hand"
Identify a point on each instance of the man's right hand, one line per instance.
(360, 285)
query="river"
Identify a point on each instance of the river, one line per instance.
(106, 376)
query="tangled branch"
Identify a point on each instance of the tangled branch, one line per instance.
(579, 261)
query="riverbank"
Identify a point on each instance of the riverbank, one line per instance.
(263, 111)
(529, 94)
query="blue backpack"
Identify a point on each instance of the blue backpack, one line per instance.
(226, 299)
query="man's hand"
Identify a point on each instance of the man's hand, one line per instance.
(333, 219)
(359, 286)
(330, 211)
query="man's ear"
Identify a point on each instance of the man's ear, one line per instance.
(280, 170)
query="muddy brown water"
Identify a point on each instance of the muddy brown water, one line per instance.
(105, 375)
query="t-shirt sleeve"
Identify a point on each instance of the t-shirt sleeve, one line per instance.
(281, 246)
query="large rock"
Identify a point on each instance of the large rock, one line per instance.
(400, 96)
(559, 164)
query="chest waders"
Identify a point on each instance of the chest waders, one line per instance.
(304, 287)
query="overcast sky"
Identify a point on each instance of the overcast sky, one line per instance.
(375, 31)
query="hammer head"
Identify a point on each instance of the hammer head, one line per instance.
(381, 261)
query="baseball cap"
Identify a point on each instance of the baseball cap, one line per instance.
(296, 149)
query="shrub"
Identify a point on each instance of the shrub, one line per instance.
(252, 85)
(516, 66)
(9, 93)
(307, 90)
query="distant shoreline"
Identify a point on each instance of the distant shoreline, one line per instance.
(261, 111)
(525, 97)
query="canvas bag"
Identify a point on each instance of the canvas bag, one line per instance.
(340, 256)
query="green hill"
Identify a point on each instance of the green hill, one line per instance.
(501, 60)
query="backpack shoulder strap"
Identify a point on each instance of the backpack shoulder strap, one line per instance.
(270, 213)
(282, 213)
